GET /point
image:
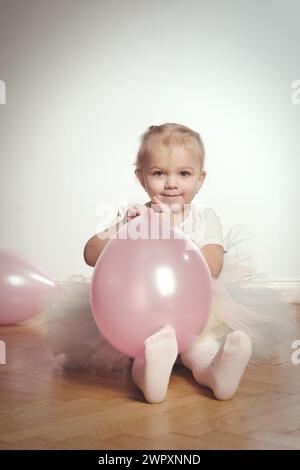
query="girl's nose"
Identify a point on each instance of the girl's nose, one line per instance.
(171, 183)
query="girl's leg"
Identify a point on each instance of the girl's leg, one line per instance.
(152, 374)
(219, 366)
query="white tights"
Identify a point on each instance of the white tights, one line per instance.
(216, 365)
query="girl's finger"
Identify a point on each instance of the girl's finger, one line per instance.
(162, 206)
(156, 200)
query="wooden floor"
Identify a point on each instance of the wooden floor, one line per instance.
(43, 407)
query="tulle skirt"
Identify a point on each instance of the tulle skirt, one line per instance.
(242, 300)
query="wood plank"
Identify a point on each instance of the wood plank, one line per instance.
(45, 407)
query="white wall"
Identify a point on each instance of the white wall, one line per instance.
(85, 78)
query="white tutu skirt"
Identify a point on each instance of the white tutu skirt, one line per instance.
(241, 300)
(244, 300)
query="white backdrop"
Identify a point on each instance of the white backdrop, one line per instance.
(84, 78)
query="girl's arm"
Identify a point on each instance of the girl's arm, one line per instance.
(95, 245)
(214, 256)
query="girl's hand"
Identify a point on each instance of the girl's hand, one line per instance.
(135, 211)
(164, 209)
(158, 206)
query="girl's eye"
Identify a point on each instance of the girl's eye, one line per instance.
(159, 173)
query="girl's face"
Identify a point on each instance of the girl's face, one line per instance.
(173, 174)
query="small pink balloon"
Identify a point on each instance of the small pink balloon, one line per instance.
(150, 275)
(23, 288)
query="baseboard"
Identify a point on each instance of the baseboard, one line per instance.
(289, 288)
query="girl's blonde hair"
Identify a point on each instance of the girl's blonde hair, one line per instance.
(169, 134)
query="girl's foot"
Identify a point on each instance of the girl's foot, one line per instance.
(228, 365)
(152, 375)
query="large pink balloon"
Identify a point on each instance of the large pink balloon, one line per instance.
(23, 288)
(141, 284)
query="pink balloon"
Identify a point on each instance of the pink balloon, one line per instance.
(140, 284)
(23, 288)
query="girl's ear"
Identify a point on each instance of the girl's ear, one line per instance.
(201, 179)
(139, 176)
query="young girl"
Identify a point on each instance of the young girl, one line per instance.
(245, 315)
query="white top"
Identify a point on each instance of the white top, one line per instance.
(202, 225)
